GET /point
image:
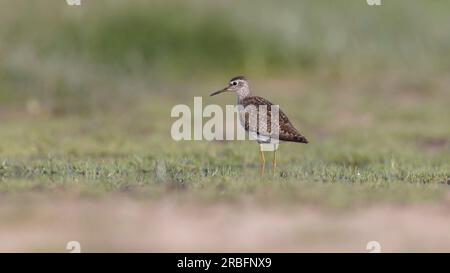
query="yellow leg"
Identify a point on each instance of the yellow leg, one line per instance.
(263, 163)
(274, 162)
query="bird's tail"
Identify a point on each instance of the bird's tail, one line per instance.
(301, 139)
(295, 138)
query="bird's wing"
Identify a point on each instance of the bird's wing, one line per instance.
(287, 131)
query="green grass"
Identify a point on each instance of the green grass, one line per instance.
(362, 152)
(86, 94)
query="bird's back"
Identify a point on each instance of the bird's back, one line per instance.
(286, 132)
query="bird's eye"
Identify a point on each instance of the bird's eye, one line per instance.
(234, 83)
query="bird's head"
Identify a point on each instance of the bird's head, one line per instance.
(239, 85)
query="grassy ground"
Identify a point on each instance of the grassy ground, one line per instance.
(85, 125)
(365, 147)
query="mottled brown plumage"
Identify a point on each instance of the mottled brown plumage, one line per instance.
(255, 115)
(287, 132)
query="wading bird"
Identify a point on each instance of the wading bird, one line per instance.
(264, 121)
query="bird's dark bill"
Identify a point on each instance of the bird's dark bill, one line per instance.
(218, 92)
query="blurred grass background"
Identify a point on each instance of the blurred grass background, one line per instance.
(58, 53)
(86, 94)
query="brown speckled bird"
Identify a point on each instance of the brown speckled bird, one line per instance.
(266, 131)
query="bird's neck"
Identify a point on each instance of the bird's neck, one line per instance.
(242, 94)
